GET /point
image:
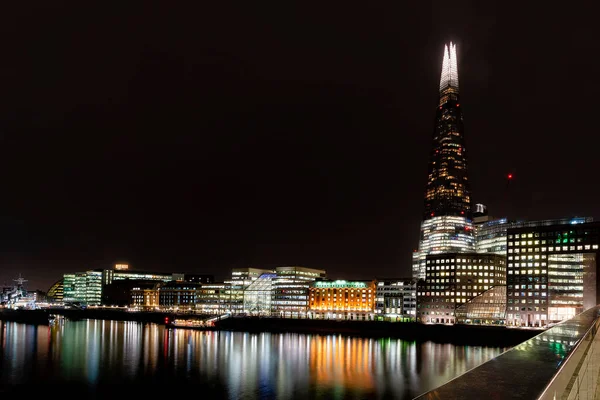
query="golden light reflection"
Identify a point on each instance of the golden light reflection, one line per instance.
(242, 365)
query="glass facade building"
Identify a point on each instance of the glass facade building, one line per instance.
(258, 296)
(241, 278)
(86, 288)
(219, 298)
(491, 235)
(56, 292)
(551, 273)
(454, 279)
(75, 288)
(447, 221)
(290, 290)
(489, 308)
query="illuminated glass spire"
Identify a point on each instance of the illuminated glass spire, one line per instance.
(447, 226)
(449, 77)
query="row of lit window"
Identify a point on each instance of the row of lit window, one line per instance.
(527, 272)
(335, 300)
(527, 294)
(455, 260)
(527, 287)
(478, 280)
(442, 294)
(451, 267)
(526, 264)
(543, 242)
(528, 301)
(518, 317)
(554, 248)
(548, 234)
(340, 289)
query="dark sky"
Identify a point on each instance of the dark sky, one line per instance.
(201, 138)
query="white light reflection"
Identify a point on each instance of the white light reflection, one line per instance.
(242, 365)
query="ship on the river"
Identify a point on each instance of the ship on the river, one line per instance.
(17, 297)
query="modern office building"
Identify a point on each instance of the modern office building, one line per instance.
(241, 278)
(346, 300)
(178, 296)
(86, 288)
(396, 299)
(245, 276)
(552, 272)
(290, 290)
(490, 235)
(75, 288)
(447, 225)
(452, 280)
(489, 308)
(258, 296)
(219, 298)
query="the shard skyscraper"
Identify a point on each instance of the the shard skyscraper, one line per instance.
(447, 226)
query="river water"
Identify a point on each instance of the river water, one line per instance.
(110, 359)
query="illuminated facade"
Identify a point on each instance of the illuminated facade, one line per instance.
(551, 273)
(219, 298)
(490, 235)
(145, 296)
(178, 295)
(489, 308)
(447, 226)
(241, 278)
(452, 280)
(396, 299)
(290, 290)
(87, 288)
(258, 296)
(56, 292)
(351, 300)
(75, 288)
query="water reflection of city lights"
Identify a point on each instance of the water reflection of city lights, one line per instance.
(243, 365)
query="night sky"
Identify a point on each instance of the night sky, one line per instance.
(203, 138)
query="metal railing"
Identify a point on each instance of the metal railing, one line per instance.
(577, 378)
(561, 363)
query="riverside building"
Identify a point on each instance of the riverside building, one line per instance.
(491, 234)
(454, 279)
(290, 289)
(552, 272)
(346, 300)
(88, 288)
(396, 300)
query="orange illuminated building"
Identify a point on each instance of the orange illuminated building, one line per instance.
(342, 300)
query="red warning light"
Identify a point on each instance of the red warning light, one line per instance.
(462, 213)
(432, 214)
(166, 320)
(510, 176)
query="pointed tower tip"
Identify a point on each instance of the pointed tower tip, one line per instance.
(449, 77)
